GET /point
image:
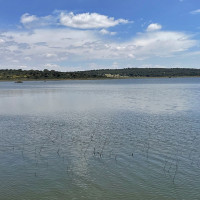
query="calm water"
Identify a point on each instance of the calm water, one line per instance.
(109, 139)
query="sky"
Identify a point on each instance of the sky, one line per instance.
(73, 35)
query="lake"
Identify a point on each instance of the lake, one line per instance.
(100, 139)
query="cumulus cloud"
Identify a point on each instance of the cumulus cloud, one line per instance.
(154, 27)
(56, 67)
(162, 43)
(89, 20)
(106, 32)
(79, 21)
(41, 46)
(33, 21)
(68, 45)
(27, 18)
(1, 41)
(195, 12)
(50, 55)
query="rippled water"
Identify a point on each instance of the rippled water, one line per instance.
(105, 139)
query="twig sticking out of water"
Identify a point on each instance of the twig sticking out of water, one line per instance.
(36, 163)
(165, 165)
(147, 151)
(91, 139)
(23, 154)
(101, 153)
(58, 152)
(169, 168)
(177, 161)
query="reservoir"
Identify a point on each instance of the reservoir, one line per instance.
(100, 139)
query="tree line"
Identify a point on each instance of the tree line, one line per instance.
(19, 74)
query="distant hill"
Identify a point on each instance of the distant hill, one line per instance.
(12, 74)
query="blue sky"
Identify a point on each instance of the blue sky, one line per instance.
(68, 35)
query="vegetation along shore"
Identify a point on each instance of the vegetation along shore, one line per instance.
(19, 74)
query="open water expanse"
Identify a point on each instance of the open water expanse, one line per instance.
(133, 139)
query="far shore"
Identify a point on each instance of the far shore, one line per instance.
(141, 77)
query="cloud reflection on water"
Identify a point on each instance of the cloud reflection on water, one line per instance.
(55, 98)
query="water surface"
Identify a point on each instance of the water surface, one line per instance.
(100, 139)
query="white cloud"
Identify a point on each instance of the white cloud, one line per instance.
(154, 27)
(66, 45)
(1, 41)
(27, 58)
(33, 21)
(49, 66)
(113, 65)
(106, 32)
(80, 21)
(41, 46)
(56, 67)
(162, 43)
(195, 12)
(27, 18)
(89, 20)
(50, 55)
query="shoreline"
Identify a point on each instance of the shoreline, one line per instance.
(141, 77)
